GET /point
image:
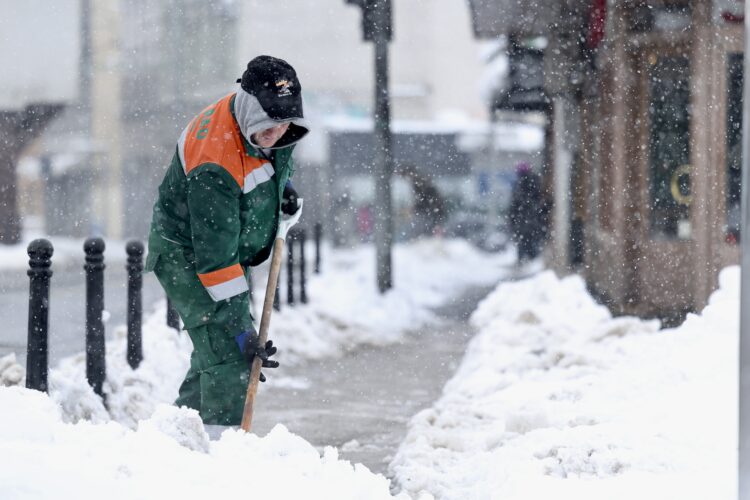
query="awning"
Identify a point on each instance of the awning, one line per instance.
(494, 18)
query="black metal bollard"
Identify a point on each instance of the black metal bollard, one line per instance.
(318, 235)
(277, 298)
(95, 350)
(291, 238)
(40, 254)
(173, 318)
(134, 249)
(302, 267)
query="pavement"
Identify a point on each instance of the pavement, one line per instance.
(362, 402)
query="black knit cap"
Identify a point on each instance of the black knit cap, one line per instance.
(274, 83)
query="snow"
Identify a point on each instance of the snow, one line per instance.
(167, 456)
(557, 399)
(508, 136)
(554, 398)
(137, 446)
(345, 308)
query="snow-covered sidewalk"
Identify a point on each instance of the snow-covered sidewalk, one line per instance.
(138, 446)
(557, 399)
(345, 310)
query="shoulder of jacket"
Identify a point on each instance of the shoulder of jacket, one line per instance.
(221, 176)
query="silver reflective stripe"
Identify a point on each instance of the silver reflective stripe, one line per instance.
(171, 241)
(258, 176)
(181, 147)
(227, 289)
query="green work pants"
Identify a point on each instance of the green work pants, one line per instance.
(216, 382)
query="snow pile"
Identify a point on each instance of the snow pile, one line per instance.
(136, 447)
(132, 395)
(557, 399)
(11, 373)
(168, 456)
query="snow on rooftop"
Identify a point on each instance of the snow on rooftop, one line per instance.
(508, 136)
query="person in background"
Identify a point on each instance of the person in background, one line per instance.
(216, 215)
(429, 205)
(527, 214)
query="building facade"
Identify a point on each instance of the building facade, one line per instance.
(664, 162)
(644, 146)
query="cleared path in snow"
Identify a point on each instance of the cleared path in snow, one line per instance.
(362, 402)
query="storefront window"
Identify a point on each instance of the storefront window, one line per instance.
(734, 146)
(669, 146)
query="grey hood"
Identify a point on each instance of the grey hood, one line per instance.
(252, 118)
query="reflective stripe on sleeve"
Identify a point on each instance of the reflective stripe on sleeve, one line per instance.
(259, 175)
(181, 148)
(224, 283)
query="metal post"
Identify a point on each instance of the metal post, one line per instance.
(173, 319)
(318, 238)
(40, 252)
(744, 382)
(277, 298)
(134, 249)
(95, 350)
(383, 158)
(291, 239)
(302, 267)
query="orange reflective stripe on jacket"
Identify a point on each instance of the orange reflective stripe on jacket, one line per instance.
(214, 137)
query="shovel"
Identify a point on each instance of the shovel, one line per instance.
(285, 223)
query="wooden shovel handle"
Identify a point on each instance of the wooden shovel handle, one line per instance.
(265, 319)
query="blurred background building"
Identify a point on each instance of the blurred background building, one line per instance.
(40, 78)
(643, 105)
(630, 110)
(140, 70)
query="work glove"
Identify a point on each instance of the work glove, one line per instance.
(250, 347)
(289, 200)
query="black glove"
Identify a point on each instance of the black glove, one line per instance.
(250, 347)
(289, 200)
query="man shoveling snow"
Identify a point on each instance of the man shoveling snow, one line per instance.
(216, 215)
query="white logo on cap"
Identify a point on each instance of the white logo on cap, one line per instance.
(283, 87)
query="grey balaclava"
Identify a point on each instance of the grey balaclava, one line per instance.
(270, 94)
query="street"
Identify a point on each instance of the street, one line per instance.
(67, 308)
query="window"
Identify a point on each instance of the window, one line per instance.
(669, 146)
(734, 147)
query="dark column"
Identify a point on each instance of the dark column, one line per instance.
(134, 267)
(291, 239)
(383, 158)
(95, 349)
(302, 267)
(40, 253)
(318, 238)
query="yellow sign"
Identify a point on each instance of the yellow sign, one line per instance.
(674, 185)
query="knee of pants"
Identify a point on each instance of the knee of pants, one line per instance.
(212, 345)
(223, 388)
